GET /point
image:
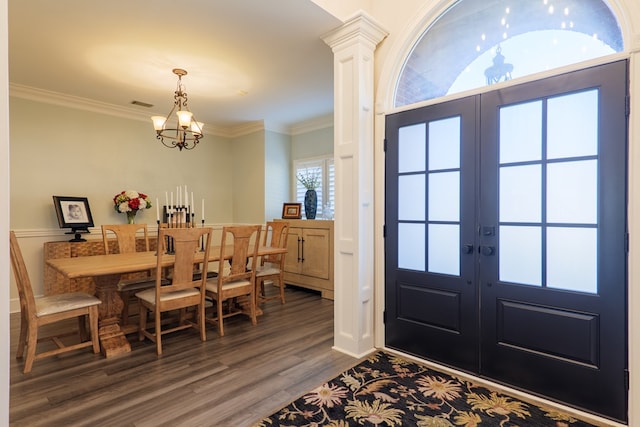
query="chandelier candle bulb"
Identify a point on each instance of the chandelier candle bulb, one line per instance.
(196, 127)
(184, 118)
(203, 210)
(166, 199)
(158, 122)
(157, 210)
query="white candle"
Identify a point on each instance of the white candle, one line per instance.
(171, 199)
(166, 199)
(193, 206)
(157, 210)
(178, 196)
(202, 210)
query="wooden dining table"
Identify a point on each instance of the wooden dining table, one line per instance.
(106, 271)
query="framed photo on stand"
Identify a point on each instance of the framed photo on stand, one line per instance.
(292, 211)
(73, 213)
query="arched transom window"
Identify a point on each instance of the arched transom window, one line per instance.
(481, 42)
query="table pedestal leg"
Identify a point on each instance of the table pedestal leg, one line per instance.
(112, 338)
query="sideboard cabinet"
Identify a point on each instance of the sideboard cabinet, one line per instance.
(309, 260)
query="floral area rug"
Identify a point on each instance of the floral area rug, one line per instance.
(387, 390)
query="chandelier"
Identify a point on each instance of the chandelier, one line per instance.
(500, 70)
(184, 131)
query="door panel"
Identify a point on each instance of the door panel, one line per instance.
(431, 246)
(294, 242)
(505, 236)
(549, 292)
(315, 242)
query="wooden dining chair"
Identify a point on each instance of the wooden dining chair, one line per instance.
(239, 279)
(271, 267)
(36, 312)
(126, 242)
(182, 292)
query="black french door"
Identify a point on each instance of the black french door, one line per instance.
(506, 236)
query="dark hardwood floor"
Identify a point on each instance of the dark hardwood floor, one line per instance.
(230, 381)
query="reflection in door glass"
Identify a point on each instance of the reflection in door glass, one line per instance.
(444, 249)
(411, 246)
(476, 43)
(572, 128)
(520, 255)
(572, 258)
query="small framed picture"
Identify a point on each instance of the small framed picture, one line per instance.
(292, 211)
(73, 212)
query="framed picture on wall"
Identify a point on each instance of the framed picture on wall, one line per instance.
(292, 211)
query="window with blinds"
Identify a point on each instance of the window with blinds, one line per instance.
(324, 170)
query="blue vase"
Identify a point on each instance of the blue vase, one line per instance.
(310, 204)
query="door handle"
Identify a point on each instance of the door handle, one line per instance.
(487, 250)
(467, 248)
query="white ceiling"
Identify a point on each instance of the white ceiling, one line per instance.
(248, 60)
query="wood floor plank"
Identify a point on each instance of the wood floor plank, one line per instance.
(233, 380)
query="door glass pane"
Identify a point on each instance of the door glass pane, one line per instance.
(521, 132)
(444, 196)
(520, 255)
(444, 144)
(444, 249)
(412, 152)
(572, 259)
(411, 197)
(572, 122)
(572, 192)
(520, 193)
(411, 246)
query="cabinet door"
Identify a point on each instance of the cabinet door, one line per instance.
(294, 249)
(315, 255)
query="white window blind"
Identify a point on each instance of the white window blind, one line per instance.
(323, 169)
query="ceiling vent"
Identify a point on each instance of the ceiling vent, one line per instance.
(142, 104)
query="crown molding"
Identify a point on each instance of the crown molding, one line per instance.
(85, 104)
(246, 129)
(311, 125)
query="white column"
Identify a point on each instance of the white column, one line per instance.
(353, 46)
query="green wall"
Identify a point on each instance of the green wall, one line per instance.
(68, 152)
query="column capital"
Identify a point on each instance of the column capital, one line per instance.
(360, 28)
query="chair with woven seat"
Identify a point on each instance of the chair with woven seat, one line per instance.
(239, 279)
(36, 312)
(271, 267)
(126, 242)
(182, 292)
